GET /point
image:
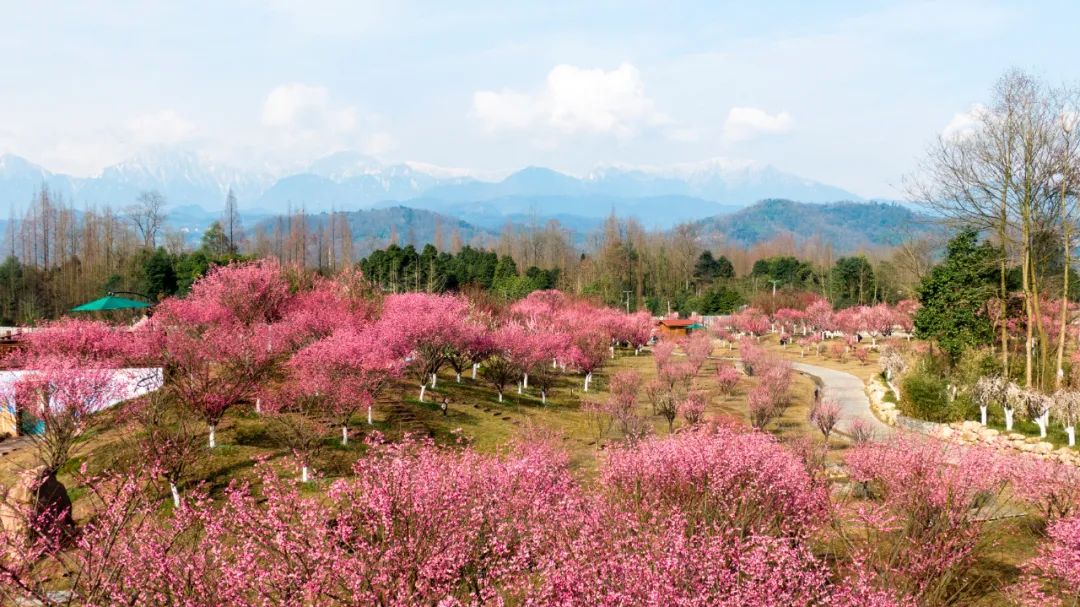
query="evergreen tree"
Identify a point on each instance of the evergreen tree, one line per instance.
(852, 282)
(954, 296)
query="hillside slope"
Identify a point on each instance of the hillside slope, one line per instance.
(848, 226)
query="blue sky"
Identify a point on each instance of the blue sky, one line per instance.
(848, 93)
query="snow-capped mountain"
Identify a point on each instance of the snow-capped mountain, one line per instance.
(348, 181)
(180, 175)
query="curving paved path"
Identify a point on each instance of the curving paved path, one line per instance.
(847, 390)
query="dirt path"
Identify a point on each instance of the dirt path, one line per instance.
(849, 392)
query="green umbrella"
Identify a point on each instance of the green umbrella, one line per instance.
(110, 302)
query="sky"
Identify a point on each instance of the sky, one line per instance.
(847, 93)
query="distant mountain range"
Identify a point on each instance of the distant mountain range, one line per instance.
(374, 228)
(412, 198)
(351, 181)
(847, 226)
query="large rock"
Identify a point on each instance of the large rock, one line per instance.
(37, 495)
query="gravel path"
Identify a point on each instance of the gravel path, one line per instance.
(847, 390)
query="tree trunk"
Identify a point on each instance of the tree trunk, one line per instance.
(1063, 321)
(304, 474)
(423, 388)
(1071, 432)
(344, 435)
(369, 420)
(258, 405)
(543, 397)
(982, 414)
(1008, 419)
(1030, 311)
(474, 367)
(457, 377)
(434, 379)
(500, 396)
(213, 435)
(525, 382)
(175, 494)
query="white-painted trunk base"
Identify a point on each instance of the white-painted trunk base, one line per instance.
(982, 415)
(423, 388)
(213, 436)
(344, 435)
(1008, 419)
(370, 421)
(525, 381)
(1070, 431)
(474, 368)
(500, 397)
(175, 495)
(304, 474)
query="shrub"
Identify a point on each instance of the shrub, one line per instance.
(924, 526)
(925, 396)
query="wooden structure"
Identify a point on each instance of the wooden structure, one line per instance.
(675, 328)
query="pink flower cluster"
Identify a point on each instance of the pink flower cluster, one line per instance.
(711, 517)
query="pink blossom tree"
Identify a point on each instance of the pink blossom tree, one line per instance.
(919, 530)
(692, 408)
(727, 377)
(211, 368)
(878, 321)
(820, 316)
(1053, 576)
(639, 329)
(345, 372)
(64, 396)
(429, 329)
(698, 347)
(751, 321)
(81, 341)
(588, 352)
(662, 352)
(824, 414)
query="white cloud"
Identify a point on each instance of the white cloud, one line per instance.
(745, 123)
(573, 101)
(378, 144)
(964, 123)
(162, 127)
(305, 107)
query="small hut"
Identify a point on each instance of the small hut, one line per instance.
(676, 328)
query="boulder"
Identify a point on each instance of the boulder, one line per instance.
(37, 494)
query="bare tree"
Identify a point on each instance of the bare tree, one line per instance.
(1001, 174)
(147, 215)
(231, 222)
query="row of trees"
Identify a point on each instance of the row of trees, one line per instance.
(57, 256)
(715, 516)
(318, 350)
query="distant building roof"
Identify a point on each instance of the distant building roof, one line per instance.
(676, 323)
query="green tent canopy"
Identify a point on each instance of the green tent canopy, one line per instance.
(110, 302)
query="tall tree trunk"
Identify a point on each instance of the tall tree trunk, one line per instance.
(1063, 322)
(1029, 308)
